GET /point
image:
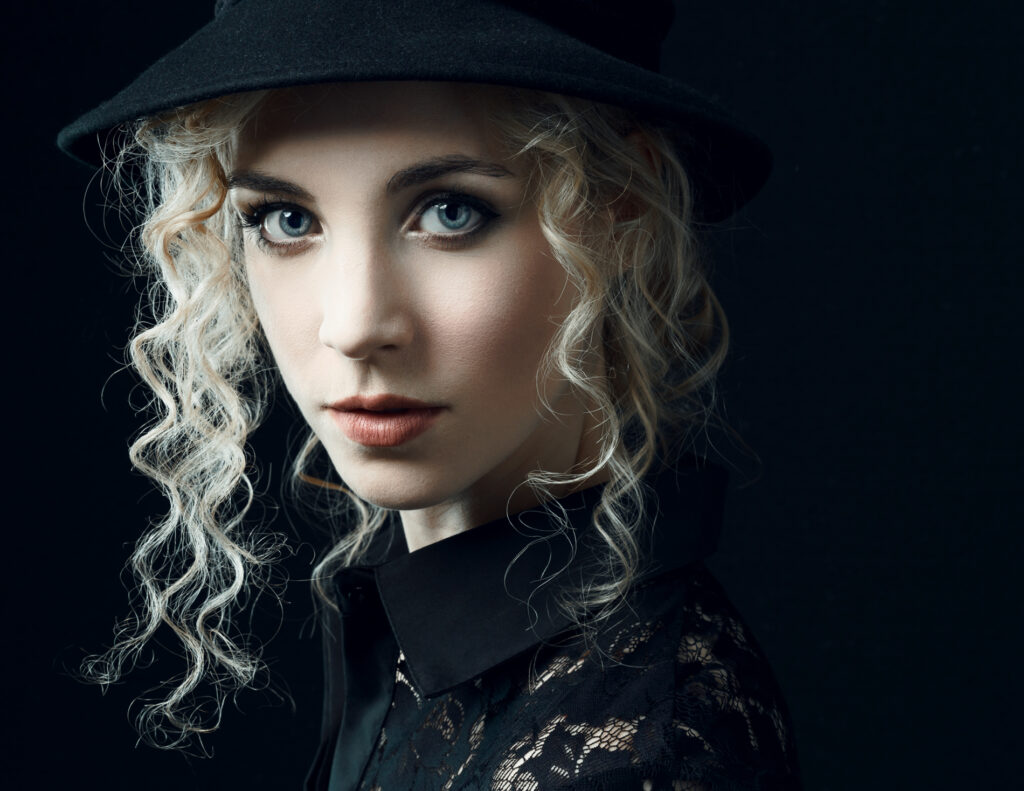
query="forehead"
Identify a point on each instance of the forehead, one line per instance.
(378, 117)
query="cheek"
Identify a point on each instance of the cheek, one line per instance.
(283, 308)
(493, 329)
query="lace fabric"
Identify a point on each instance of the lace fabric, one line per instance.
(676, 697)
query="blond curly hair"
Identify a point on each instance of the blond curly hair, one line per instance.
(615, 206)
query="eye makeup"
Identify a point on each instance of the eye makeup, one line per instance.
(450, 219)
(446, 219)
(291, 221)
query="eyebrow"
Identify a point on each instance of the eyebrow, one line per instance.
(261, 182)
(434, 168)
(412, 176)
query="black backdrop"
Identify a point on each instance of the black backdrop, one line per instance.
(873, 290)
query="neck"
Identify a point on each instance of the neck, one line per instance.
(493, 497)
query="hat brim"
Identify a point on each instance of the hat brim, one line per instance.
(261, 44)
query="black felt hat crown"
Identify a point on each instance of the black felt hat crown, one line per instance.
(604, 50)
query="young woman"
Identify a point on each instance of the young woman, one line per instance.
(461, 235)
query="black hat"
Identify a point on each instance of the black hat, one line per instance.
(606, 50)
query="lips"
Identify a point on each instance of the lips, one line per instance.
(383, 421)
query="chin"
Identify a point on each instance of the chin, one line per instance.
(392, 484)
(397, 499)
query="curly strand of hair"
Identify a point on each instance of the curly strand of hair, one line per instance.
(620, 226)
(199, 358)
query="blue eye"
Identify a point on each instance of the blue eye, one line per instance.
(280, 228)
(451, 216)
(291, 223)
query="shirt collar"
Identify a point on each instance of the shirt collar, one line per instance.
(464, 604)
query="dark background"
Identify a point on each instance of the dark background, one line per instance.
(874, 292)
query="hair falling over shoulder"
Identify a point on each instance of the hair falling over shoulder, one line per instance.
(614, 205)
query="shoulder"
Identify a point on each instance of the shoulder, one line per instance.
(730, 727)
(676, 695)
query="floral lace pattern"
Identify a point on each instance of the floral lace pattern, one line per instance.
(677, 697)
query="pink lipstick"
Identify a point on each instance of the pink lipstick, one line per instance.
(383, 421)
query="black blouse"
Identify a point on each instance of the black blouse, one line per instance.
(453, 668)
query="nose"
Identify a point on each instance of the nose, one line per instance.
(364, 304)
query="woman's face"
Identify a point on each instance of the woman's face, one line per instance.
(399, 272)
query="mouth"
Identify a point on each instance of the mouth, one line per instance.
(383, 421)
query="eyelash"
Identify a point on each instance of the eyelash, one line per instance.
(449, 241)
(251, 219)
